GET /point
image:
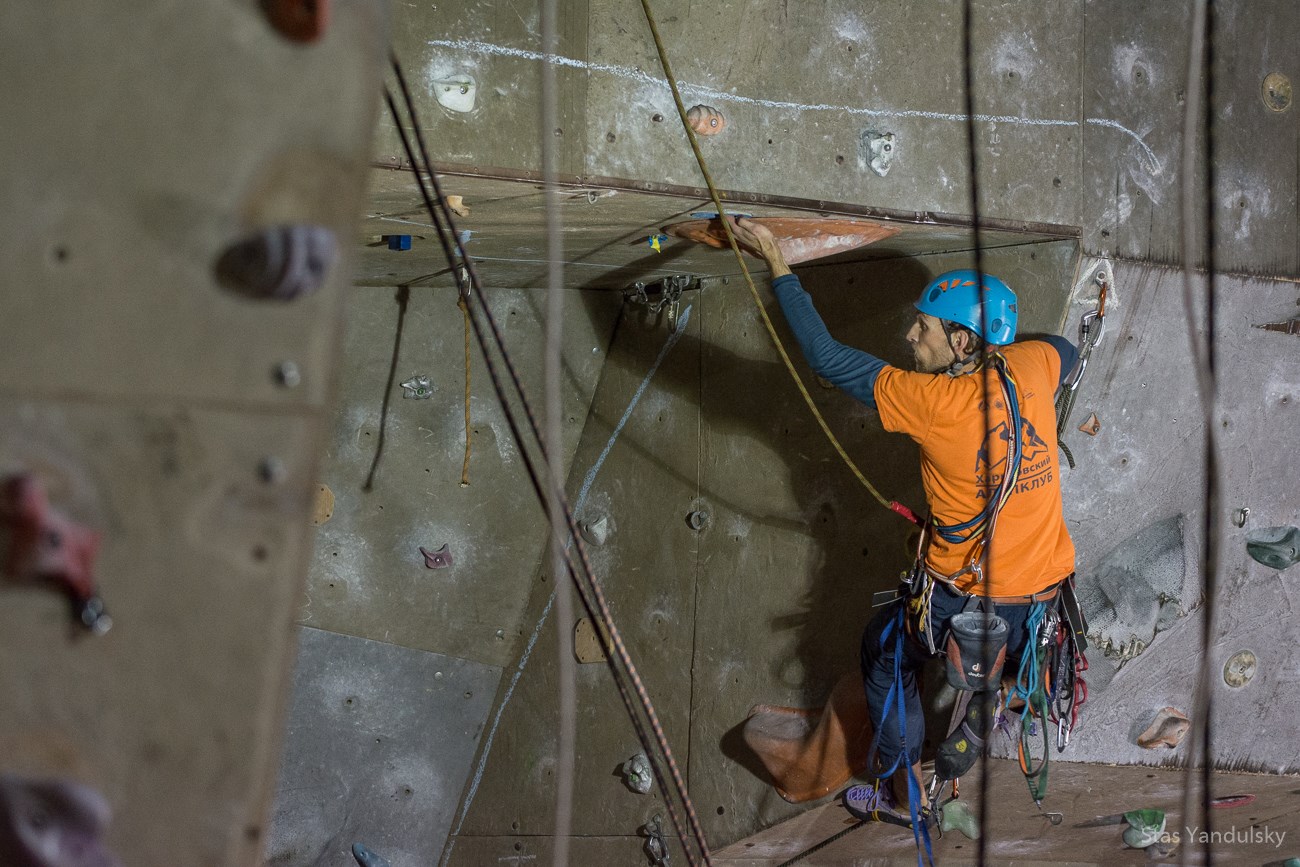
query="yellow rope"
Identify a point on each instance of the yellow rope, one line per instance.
(464, 472)
(749, 281)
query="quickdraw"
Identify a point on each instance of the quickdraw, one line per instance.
(1069, 690)
(1092, 325)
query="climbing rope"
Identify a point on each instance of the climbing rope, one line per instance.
(892, 505)
(979, 529)
(1031, 688)
(811, 850)
(1198, 109)
(588, 585)
(469, 433)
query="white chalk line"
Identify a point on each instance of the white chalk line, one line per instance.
(632, 74)
(587, 481)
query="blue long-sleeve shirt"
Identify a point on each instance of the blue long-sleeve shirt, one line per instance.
(850, 369)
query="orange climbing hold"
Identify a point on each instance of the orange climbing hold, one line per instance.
(810, 753)
(801, 239)
(298, 20)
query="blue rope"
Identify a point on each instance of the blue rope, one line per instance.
(957, 533)
(920, 831)
(1028, 677)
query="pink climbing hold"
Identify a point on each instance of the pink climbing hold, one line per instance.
(439, 559)
(52, 823)
(47, 548)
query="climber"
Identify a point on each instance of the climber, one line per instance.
(972, 485)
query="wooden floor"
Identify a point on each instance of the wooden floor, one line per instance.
(1018, 834)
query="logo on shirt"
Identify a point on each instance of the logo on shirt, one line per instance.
(1035, 460)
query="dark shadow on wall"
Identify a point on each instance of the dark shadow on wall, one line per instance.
(861, 548)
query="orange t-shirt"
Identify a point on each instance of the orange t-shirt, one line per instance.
(1031, 548)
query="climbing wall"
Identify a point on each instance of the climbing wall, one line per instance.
(177, 416)
(1135, 508)
(706, 471)
(402, 654)
(1080, 104)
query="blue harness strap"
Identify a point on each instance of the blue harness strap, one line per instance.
(920, 831)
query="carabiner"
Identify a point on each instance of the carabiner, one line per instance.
(1062, 734)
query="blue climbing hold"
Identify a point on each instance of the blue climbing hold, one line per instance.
(398, 242)
(366, 858)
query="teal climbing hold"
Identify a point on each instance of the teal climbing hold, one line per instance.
(1275, 547)
(1144, 827)
(956, 816)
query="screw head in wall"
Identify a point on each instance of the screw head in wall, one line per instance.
(271, 470)
(287, 374)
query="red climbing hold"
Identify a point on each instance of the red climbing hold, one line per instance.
(46, 547)
(298, 20)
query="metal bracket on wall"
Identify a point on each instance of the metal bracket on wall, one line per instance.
(656, 849)
(663, 293)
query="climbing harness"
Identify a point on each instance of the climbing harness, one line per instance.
(1092, 325)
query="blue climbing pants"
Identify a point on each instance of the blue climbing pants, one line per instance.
(878, 668)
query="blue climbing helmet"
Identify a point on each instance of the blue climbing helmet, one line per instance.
(955, 296)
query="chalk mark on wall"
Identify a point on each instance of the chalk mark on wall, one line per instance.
(546, 611)
(627, 72)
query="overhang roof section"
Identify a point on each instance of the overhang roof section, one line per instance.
(613, 232)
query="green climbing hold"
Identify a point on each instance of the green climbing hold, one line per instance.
(1144, 827)
(1291, 862)
(956, 816)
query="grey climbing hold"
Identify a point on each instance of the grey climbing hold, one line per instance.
(595, 532)
(366, 858)
(637, 775)
(877, 150)
(456, 92)
(1275, 547)
(417, 388)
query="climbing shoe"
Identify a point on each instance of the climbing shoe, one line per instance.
(957, 754)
